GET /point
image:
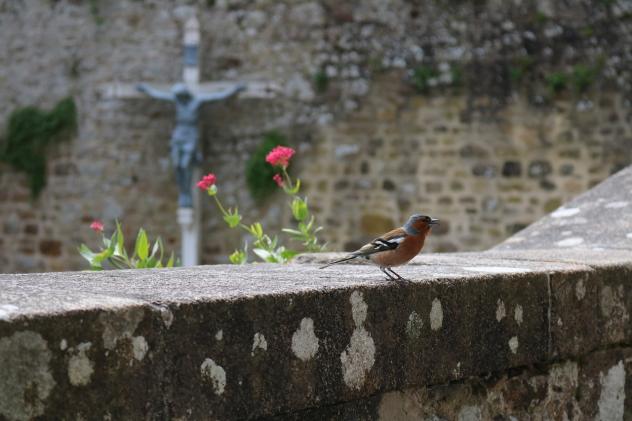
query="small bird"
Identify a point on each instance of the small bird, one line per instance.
(396, 247)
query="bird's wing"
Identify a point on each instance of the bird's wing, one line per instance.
(389, 241)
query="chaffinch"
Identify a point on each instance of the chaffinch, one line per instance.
(396, 247)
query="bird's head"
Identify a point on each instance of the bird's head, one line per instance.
(418, 224)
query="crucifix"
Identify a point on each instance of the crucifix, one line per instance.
(188, 96)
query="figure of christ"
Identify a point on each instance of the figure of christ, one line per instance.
(184, 139)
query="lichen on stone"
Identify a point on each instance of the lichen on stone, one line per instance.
(359, 356)
(80, 367)
(26, 378)
(304, 340)
(436, 315)
(214, 373)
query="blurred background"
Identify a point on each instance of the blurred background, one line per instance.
(485, 114)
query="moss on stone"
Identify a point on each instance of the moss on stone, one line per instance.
(321, 81)
(422, 76)
(29, 133)
(557, 82)
(582, 77)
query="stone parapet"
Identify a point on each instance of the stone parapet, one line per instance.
(234, 342)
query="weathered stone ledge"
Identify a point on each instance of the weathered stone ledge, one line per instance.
(226, 342)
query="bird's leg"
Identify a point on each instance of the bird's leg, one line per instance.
(390, 277)
(395, 273)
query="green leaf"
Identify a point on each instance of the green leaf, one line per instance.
(120, 241)
(157, 248)
(103, 255)
(212, 191)
(86, 253)
(238, 257)
(292, 232)
(256, 230)
(265, 255)
(152, 262)
(296, 188)
(311, 224)
(170, 261)
(232, 218)
(142, 245)
(299, 209)
(288, 254)
(120, 262)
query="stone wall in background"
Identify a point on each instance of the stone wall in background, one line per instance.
(485, 114)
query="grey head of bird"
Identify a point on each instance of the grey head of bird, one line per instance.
(418, 223)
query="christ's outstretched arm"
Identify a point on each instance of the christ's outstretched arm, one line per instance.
(155, 93)
(223, 94)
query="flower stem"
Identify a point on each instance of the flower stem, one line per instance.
(287, 178)
(219, 204)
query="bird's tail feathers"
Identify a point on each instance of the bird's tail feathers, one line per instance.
(350, 257)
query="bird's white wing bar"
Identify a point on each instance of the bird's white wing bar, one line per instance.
(381, 244)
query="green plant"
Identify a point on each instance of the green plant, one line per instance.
(582, 77)
(258, 173)
(519, 68)
(95, 11)
(587, 31)
(422, 77)
(321, 81)
(456, 74)
(29, 133)
(113, 251)
(557, 82)
(541, 18)
(268, 248)
(516, 74)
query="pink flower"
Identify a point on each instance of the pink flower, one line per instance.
(207, 181)
(97, 225)
(278, 179)
(280, 156)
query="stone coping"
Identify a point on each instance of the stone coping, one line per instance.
(598, 220)
(233, 342)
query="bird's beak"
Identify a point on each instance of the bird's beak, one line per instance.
(434, 221)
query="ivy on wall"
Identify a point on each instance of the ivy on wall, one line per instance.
(29, 132)
(258, 172)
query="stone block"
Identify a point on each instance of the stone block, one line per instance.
(103, 356)
(512, 169)
(51, 248)
(590, 310)
(228, 342)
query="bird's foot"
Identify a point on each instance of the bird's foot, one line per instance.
(388, 275)
(398, 277)
(393, 276)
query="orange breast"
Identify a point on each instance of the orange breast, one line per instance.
(408, 249)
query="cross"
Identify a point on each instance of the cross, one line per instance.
(188, 96)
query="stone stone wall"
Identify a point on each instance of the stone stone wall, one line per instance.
(593, 388)
(487, 115)
(516, 332)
